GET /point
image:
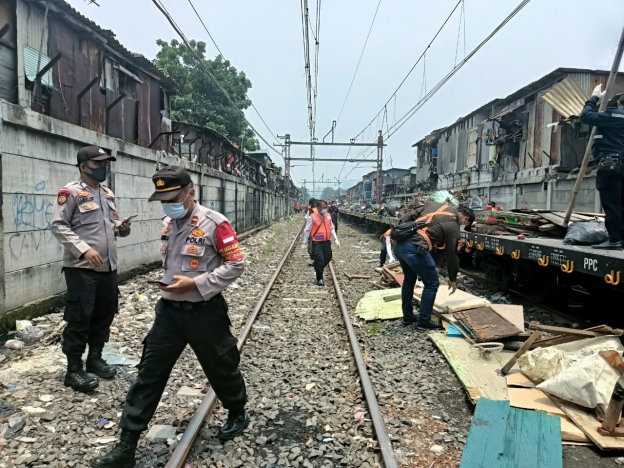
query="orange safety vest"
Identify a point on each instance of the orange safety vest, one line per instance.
(321, 227)
(428, 218)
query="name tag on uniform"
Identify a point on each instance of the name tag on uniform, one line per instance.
(319, 237)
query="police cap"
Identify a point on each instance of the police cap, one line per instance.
(93, 153)
(168, 182)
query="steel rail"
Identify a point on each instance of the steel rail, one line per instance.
(179, 455)
(369, 392)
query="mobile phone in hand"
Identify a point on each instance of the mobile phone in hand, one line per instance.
(158, 283)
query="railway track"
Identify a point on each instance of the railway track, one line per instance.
(311, 398)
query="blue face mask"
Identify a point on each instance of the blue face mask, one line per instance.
(98, 174)
(175, 210)
(324, 210)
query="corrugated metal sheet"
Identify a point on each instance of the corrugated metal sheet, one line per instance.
(567, 97)
(584, 81)
(31, 57)
(34, 25)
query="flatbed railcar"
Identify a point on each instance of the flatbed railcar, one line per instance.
(545, 269)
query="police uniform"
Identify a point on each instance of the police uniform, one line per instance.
(86, 218)
(201, 245)
(608, 151)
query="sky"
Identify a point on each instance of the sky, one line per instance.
(264, 39)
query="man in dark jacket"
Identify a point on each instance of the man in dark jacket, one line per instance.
(335, 214)
(608, 152)
(441, 224)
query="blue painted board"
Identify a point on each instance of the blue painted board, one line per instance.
(486, 439)
(532, 440)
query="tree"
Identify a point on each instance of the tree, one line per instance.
(328, 193)
(199, 101)
(305, 195)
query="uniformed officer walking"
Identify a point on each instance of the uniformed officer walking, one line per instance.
(320, 229)
(608, 151)
(85, 222)
(201, 257)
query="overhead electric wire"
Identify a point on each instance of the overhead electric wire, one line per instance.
(409, 114)
(422, 55)
(177, 29)
(359, 61)
(221, 53)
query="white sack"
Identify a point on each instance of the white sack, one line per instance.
(588, 382)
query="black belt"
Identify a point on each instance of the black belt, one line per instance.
(188, 305)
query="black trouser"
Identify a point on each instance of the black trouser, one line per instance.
(383, 255)
(610, 185)
(91, 302)
(322, 255)
(205, 326)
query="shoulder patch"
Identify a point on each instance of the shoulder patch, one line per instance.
(62, 196)
(227, 243)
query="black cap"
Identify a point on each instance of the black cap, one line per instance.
(94, 153)
(468, 211)
(168, 182)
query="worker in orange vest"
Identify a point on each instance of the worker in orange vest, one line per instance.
(320, 229)
(440, 226)
(386, 248)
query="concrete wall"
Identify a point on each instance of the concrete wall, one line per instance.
(38, 157)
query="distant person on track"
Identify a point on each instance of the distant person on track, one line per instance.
(608, 152)
(335, 214)
(201, 257)
(320, 229)
(440, 227)
(312, 207)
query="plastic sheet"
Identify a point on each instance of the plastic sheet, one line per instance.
(586, 233)
(444, 196)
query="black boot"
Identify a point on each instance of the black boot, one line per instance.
(234, 426)
(122, 455)
(98, 366)
(77, 378)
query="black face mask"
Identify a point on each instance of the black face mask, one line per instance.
(98, 174)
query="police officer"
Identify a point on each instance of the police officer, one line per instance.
(319, 229)
(86, 223)
(608, 151)
(201, 257)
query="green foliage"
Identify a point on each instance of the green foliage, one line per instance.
(328, 193)
(375, 328)
(199, 100)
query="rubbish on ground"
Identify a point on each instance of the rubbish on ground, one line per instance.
(16, 426)
(373, 306)
(21, 324)
(541, 364)
(525, 347)
(486, 325)
(30, 334)
(517, 379)
(586, 233)
(14, 344)
(113, 355)
(500, 435)
(480, 378)
(613, 413)
(588, 382)
(360, 277)
(455, 330)
(443, 196)
(487, 351)
(392, 298)
(563, 330)
(6, 409)
(460, 300)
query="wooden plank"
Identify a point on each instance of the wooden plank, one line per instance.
(564, 330)
(517, 379)
(479, 377)
(460, 300)
(486, 325)
(532, 439)
(532, 399)
(588, 423)
(527, 344)
(512, 313)
(486, 439)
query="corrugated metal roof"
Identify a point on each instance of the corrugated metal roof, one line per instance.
(137, 60)
(567, 97)
(31, 58)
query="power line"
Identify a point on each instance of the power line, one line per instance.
(359, 61)
(409, 114)
(221, 53)
(177, 29)
(422, 55)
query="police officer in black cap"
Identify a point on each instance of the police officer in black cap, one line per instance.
(86, 223)
(608, 152)
(201, 257)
